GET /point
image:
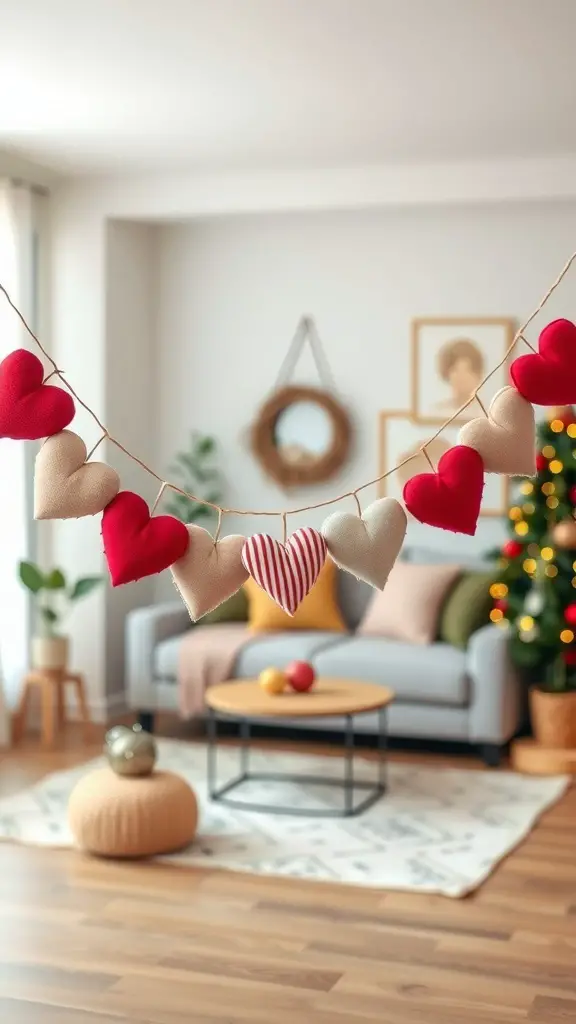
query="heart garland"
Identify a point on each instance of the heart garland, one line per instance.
(548, 377)
(287, 572)
(209, 573)
(206, 572)
(30, 409)
(450, 498)
(65, 486)
(367, 547)
(137, 544)
(505, 438)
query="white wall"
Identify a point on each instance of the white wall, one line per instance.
(232, 289)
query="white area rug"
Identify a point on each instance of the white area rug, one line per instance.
(435, 830)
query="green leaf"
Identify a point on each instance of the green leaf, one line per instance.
(49, 615)
(205, 446)
(55, 580)
(85, 586)
(31, 576)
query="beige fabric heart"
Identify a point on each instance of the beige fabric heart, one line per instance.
(506, 437)
(209, 574)
(367, 547)
(65, 485)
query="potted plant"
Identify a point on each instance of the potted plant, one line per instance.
(553, 708)
(194, 471)
(53, 597)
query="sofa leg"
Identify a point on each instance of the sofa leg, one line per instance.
(146, 720)
(491, 754)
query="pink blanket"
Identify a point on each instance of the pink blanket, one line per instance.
(206, 657)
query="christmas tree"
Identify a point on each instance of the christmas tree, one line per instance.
(535, 595)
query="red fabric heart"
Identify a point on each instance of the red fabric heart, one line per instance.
(136, 544)
(449, 498)
(30, 409)
(548, 377)
(287, 572)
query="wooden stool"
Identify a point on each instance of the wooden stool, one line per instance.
(51, 683)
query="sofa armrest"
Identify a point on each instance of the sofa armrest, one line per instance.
(145, 629)
(495, 704)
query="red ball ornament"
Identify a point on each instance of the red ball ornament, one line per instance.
(300, 675)
(512, 548)
(570, 656)
(501, 605)
(570, 614)
(541, 462)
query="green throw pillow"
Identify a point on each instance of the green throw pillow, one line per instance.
(466, 608)
(235, 609)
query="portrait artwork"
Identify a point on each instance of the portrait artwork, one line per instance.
(450, 358)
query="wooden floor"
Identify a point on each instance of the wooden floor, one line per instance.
(89, 942)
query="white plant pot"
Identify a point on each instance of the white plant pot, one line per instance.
(50, 652)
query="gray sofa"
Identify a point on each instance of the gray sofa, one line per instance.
(442, 693)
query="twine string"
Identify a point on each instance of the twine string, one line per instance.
(358, 505)
(482, 406)
(53, 373)
(218, 527)
(519, 336)
(159, 497)
(428, 459)
(528, 343)
(97, 445)
(284, 527)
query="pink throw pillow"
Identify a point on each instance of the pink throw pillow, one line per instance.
(409, 606)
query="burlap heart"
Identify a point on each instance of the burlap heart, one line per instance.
(67, 487)
(209, 573)
(287, 572)
(506, 438)
(367, 547)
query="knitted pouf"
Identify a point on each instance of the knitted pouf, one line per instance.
(118, 816)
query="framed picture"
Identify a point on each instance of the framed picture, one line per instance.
(449, 360)
(400, 437)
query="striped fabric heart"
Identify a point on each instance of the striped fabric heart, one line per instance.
(286, 572)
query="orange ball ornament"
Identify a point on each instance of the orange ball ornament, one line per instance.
(273, 681)
(564, 534)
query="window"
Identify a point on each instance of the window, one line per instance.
(15, 512)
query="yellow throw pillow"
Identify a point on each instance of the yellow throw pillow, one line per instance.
(318, 610)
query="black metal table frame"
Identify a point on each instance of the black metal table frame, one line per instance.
(347, 782)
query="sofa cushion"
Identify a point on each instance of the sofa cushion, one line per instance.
(408, 608)
(318, 611)
(279, 649)
(435, 674)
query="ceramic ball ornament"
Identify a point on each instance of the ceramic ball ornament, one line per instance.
(130, 752)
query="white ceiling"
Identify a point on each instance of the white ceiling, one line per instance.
(147, 85)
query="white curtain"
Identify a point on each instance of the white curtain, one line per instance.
(16, 275)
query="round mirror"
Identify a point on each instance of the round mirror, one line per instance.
(302, 436)
(303, 433)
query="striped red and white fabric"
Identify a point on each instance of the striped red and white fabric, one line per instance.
(287, 572)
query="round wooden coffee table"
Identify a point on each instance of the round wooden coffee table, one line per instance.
(246, 702)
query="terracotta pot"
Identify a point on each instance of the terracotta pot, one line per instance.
(50, 652)
(553, 718)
